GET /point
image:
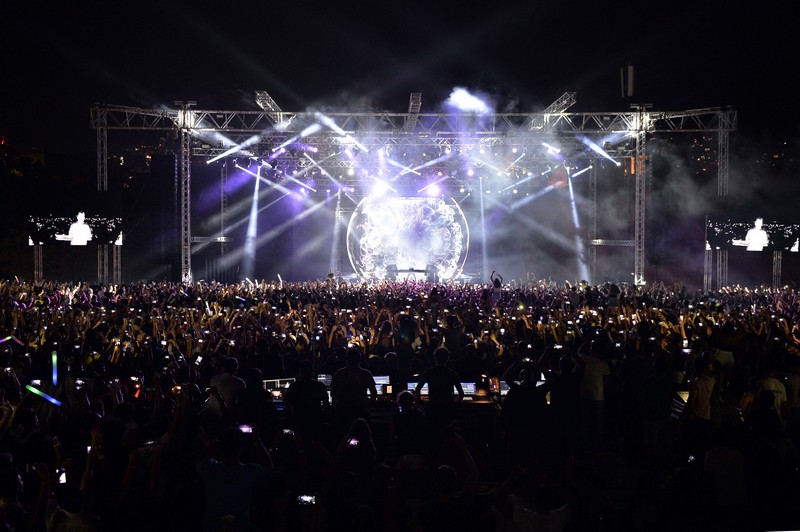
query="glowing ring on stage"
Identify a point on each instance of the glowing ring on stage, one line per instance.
(411, 233)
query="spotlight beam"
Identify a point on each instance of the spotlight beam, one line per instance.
(583, 269)
(579, 172)
(309, 245)
(384, 183)
(332, 125)
(310, 130)
(277, 186)
(484, 162)
(429, 185)
(270, 183)
(324, 172)
(239, 147)
(496, 203)
(273, 233)
(248, 264)
(462, 200)
(546, 232)
(424, 165)
(203, 245)
(406, 169)
(239, 207)
(485, 259)
(527, 199)
(512, 185)
(597, 149)
(336, 236)
(515, 161)
(301, 183)
(551, 149)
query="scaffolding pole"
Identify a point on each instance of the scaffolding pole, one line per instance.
(640, 204)
(593, 223)
(777, 258)
(102, 264)
(38, 269)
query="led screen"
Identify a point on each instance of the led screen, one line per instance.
(79, 229)
(408, 233)
(756, 235)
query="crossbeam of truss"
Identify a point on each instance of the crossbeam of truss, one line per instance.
(390, 124)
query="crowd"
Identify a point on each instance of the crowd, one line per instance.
(144, 405)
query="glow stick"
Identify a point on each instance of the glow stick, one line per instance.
(42, 395)
(55, 368)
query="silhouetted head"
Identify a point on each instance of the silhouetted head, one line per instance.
(353, 356)
(441, 355)
(306, 369)
(405, 400)
(230, 365)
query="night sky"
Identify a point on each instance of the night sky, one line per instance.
(59, 59)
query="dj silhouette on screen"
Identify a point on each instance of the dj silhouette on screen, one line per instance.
(756, 239)
(79, 232)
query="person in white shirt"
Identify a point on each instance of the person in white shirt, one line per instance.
(756, 238)
(229, 387)
(79, 232)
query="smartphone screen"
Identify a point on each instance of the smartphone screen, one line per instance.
(306, 500)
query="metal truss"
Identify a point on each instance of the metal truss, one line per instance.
(38, 269)
(102, 152)
(722, 268)
(116, 264)
(389, 125)
(414, 106)
(611, 242)
(566, 101)
(223, 195)
(102, 264)
(592, 251)
(723, 148)
(266, 102)
(185, 213)
(777, 258)
(640, 205)
(200, 130)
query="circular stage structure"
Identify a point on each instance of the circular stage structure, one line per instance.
(387, 236)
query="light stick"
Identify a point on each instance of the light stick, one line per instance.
(12, 337)
(43, 395)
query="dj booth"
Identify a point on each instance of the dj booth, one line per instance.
(476, 413)
(488, 392)
(430, 272)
